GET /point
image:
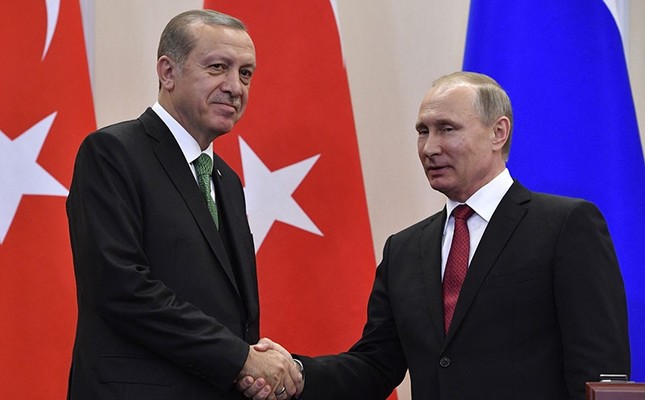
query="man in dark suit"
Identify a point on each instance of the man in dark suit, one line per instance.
(541, 309)
(165, 272)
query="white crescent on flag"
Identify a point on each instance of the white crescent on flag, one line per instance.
(53, 7)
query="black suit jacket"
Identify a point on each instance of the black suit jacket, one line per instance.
(542, 311)
(166, 304)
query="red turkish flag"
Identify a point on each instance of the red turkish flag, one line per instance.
(316, 260)
(46, 110)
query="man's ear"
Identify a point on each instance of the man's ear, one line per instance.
(166, 71)
(501, 132)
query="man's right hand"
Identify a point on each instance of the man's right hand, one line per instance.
(269, 374)
(259, 387)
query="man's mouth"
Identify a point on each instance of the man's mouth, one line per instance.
(233, 106)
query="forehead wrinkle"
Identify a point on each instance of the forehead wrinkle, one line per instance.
(448, 105)
(228, 40)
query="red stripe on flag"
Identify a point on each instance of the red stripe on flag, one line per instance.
(37, 304)
(313, 286)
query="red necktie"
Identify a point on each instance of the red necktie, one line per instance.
(457, 264)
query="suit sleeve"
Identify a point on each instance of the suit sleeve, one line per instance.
(590, 299)
(114, 279)
(374, 366)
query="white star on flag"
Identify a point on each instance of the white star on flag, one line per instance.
(268, 194)
(21, 175)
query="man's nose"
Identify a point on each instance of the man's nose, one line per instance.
(429, 146)
(232, 84)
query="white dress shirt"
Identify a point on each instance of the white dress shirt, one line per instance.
(188, 145)
(483, 202)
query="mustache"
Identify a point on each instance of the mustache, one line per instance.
(223, 98)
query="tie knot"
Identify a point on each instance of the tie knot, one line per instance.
(462, 211)
(203, 165)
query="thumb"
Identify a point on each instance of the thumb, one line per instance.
(263, 345)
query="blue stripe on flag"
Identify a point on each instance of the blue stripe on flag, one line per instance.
(575, 134)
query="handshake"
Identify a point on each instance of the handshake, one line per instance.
(270, 373)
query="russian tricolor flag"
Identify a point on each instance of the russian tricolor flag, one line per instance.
(563, 66)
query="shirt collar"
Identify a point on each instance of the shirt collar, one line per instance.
(486, 199)
(188, 145)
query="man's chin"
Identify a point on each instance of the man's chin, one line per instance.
(437, 183)
(224, 125)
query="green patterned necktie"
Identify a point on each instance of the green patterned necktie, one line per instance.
(204, 169)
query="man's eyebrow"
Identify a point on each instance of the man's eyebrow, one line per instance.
(436, 122)
(444, 121)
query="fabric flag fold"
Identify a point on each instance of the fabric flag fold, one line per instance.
(46, 111)
(575, 132)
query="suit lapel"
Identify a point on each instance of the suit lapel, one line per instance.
(503, 223)
(430, 244)
(172, 160)
(233, 213)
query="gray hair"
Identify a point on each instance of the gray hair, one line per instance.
(491, 100)
(176, 39)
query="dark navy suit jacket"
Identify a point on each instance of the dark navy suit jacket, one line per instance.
(166, 304)
(542, 311)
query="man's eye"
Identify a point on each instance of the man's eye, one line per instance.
(218, 67)
(246, 74)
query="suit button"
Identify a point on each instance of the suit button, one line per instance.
(444, 362)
